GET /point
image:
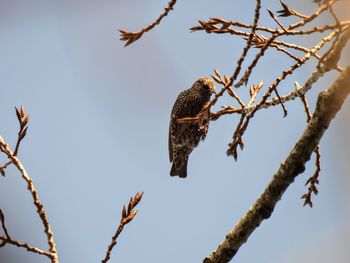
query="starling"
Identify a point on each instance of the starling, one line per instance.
(185, 136)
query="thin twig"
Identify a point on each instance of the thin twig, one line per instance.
(23, 120)
(8, 240)
(276, 20)
(210, 27)
(253, 92)
(331, 10)
(313, 180)
(27, 247)
(2, 219)
(229, 83)
(286, 11)
(249, 41)
(5, 148)
(127, 215)
(3, 168)
(244, 79)
(273, 102)
(287, 53)
(310, 18)
(236, 139)
(273, 86)
(226, 82)
(131, 37)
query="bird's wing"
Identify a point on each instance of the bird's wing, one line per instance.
(170, 144)
(176, 111)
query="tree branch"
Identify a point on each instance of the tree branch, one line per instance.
(328, 104)
(127, 216)
(27, 247)
(131, 37)
(5, 148)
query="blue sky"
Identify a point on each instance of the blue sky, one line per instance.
(98, 134)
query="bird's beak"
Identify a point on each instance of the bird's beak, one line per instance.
(213, 91)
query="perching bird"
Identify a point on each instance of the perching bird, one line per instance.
(185, 136)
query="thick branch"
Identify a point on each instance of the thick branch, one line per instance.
(328, 104)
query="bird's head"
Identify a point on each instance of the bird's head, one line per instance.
(206, 85)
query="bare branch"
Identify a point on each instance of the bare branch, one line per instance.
(3, 168)
(127, 215)
(286, 11)
(27, 247)
(313, 180)
(211, 26)
(2, 219)
(328, 104)
(310, 18)
(23, 120)
(285, 73)
(5, 148)
(131, 37)
(228, 84)
(8, 240)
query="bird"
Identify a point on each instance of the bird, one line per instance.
(185, 136)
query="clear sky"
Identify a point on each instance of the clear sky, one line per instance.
(98, 134)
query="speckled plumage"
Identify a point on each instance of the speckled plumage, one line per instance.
(184, 137)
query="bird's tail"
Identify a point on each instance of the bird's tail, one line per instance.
(179, 168)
